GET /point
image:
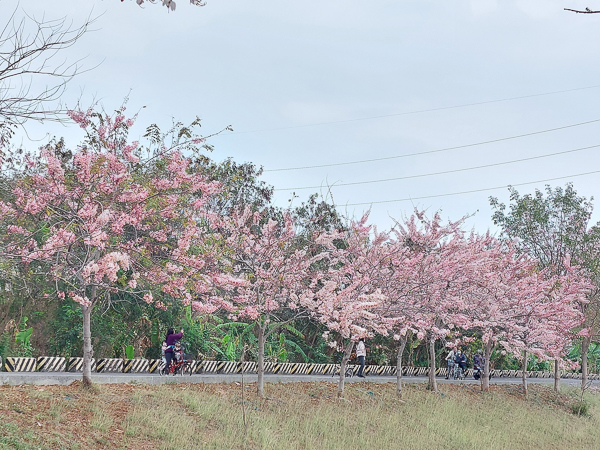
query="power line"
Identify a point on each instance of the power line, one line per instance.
(473, 191)
(444, 172)
(387, 158)
(419, 111)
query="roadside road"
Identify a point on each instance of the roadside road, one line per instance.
(65, 378)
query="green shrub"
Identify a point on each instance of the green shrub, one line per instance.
(581, 408)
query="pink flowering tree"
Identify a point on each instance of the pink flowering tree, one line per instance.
(504, 288)
(508, 288)
(347, 297)
(402, 306)
(107, 221)
(262, 252)
(548, 327)
(437, 287)
(518, 307)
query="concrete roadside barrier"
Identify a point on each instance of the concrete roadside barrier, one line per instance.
(12, 364)
(153, 365)
(226, 366)
(249, 367)
(150, 366)
(76, 365)
(109, 365)
(208, 367)
(136, 366)
(51, 364)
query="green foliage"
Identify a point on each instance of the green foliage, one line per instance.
(241, 185)
(593, 355)
(280, 347)
(24, 334)
(581, 408)
(66, 338)
(233, 338)
(535, 363)
(22, 337)
(5, 345)
(550, 226)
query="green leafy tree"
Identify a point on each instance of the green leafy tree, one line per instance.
(554, 226)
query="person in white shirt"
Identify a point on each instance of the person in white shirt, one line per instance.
(450, 362)
(361, 352)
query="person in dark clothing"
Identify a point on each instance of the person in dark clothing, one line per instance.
(479, 360)
(461, 360)
(170, 340)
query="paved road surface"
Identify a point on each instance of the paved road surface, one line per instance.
(111, 378)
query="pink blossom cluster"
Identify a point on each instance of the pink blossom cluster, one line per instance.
(108, 228)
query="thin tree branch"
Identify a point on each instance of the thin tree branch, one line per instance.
(587, 11)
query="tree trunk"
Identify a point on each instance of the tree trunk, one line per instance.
(345, 359)
(524, 372)
(585, 346)
(260, 385)
(88, 351)
(556, 376)
(399, 366)
(432, 385)
(485, 377)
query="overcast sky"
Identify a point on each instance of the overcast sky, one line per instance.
(280, 72)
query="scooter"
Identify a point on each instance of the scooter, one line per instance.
(478, 372)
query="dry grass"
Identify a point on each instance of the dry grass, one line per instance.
(296, 416)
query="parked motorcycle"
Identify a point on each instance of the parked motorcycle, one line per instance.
(478, 372)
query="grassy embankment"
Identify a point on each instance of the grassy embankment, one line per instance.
(296, 416)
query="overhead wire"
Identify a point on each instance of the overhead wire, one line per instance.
(471, 191)
(387, 158)
(335, 185)
(419, 111)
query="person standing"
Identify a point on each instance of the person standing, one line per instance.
(361, 352)
(479, 360)
(170, 341)
(450, 362)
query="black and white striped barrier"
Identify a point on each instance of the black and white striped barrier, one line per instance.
(153, 365)
(51, 364)
(226, 366)
(193, 366)
(383, 370)
(76, 365)
(115, 365)
(19, 364)
(249, 367)
(207, 367)
(109, 365)
(303, 369)
(330, 369)
(136, 366)
(314, 369)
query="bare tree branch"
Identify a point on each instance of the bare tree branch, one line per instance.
(587, 11)
(33, 75)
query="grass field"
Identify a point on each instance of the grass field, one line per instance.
(295, 416)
